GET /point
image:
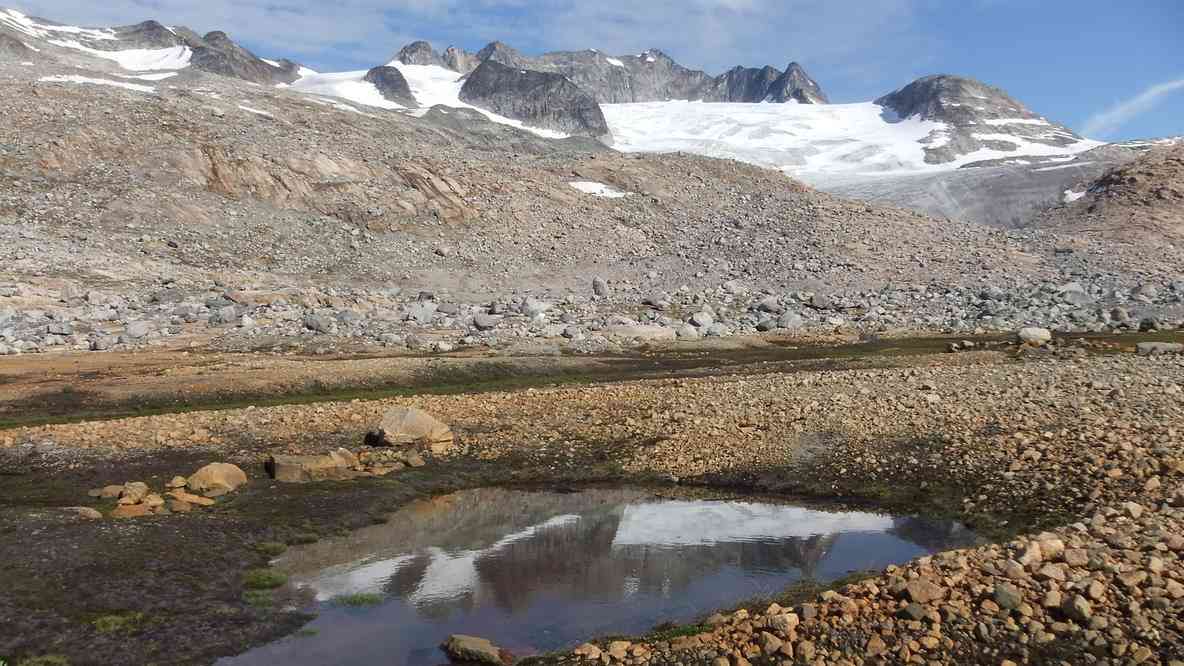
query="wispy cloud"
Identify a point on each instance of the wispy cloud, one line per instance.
(1106, 122)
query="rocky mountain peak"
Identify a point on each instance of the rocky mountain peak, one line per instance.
(419, 53)
(948, 98)
(973, 116)
(501, 52)
(460, 60)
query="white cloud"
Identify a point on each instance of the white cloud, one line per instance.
(1106, 122)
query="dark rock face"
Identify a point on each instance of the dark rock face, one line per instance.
(392, 85)
(796, 84)
(147, 35)
(419, 53)
(741, 84)
(541, 99)
(976, 116)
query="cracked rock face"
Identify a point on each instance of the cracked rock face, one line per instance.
(538, 98)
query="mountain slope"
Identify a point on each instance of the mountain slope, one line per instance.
(146, 46)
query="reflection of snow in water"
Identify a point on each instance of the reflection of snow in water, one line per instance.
(448, 576)
(707, 523)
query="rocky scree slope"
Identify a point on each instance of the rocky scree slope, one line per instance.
(257, 215)
(1140, 201)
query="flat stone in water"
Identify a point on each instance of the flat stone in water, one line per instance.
(540, 571)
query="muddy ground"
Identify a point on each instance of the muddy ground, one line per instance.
(898, 425)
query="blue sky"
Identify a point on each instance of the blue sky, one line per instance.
(1113, 69)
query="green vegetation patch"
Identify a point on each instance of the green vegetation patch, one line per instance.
(263, 579)
(119, 622)
(359, 600)
(270, 548)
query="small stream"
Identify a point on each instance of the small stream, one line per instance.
(540, 571)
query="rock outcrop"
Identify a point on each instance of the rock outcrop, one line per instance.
(391, 84)
(540, 99)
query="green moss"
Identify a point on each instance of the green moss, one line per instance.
(270, 548)
(258, 598)
(119, 622)
(46, 660)
(263, 579)
(303, 538)
(669, 631)
(306, 633)
(358, 600)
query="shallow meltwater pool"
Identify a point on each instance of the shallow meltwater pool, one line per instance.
(541, 571)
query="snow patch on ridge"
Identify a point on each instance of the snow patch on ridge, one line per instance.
(598, 189)
(614, 62)
(136, 60)
(23, 24)
(350, 86)
(99, 82)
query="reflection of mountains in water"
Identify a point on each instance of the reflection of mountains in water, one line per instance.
(503, 547)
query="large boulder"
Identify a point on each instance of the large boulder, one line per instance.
(470, 649)
(408, 426)
(216, 479)
(1036, 337)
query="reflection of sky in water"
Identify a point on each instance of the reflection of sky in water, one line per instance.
(564, 568)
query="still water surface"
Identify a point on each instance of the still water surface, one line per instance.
(539, 571)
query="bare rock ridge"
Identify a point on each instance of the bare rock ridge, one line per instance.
(650, 76)
(391, 85)
(419, 53)
(542, 99)
(975, 115)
